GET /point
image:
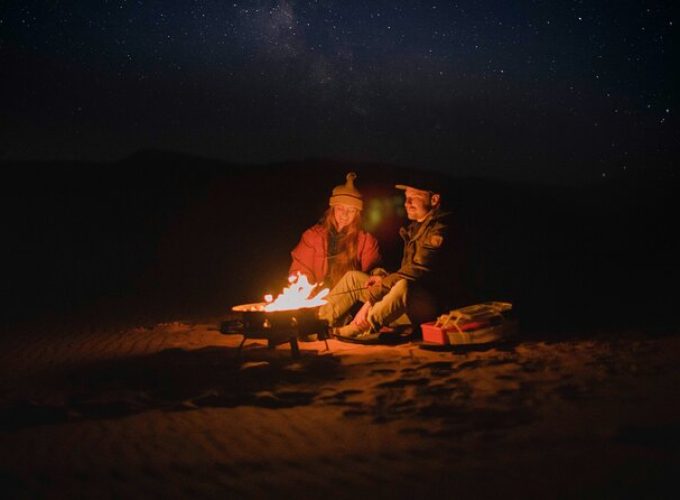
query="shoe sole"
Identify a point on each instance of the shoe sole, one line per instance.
(359, 340)
(376, 339)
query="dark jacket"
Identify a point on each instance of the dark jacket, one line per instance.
(424, 258)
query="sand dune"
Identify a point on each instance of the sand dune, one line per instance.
(172, 411)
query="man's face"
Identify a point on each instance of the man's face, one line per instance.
(417, 203)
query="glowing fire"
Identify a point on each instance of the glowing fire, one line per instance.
(296, 296)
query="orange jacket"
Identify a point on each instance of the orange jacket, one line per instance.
(310, 255)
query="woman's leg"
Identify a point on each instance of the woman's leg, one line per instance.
(348, 291)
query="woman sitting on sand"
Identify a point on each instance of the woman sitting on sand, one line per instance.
(336, 244)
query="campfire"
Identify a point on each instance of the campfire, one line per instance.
(284, 319)
(299, 294)
(296, 296)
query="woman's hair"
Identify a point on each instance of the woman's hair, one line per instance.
(346, 249)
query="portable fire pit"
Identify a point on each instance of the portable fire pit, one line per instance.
(277, 327)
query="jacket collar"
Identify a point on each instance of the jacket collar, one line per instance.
(433, 216)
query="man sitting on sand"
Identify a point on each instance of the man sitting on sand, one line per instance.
(405, 296)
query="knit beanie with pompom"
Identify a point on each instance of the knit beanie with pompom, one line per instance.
(347, 194)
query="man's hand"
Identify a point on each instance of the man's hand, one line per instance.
(361, 318)
(373, 281)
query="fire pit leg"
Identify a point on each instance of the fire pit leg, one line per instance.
(240, 347)
(294, 347)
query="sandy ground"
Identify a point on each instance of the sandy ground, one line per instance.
(171, 411)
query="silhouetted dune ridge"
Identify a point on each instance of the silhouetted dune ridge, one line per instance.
(172, 236)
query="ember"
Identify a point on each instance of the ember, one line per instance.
(296, 296)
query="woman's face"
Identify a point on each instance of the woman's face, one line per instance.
(344, 215)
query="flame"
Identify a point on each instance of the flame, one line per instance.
(297, 295)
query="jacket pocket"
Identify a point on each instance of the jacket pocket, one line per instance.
(424, 254)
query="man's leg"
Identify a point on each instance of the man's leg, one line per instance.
(388, 309)
(347, 292)
(391, 307)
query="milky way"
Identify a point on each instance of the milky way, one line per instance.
(553, 91)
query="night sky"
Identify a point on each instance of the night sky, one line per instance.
(551, 91)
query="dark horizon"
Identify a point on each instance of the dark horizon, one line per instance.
(170, 236)
(653, 174)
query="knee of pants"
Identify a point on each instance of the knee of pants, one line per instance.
(401, 287)
(355, 275)
(355, 278)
